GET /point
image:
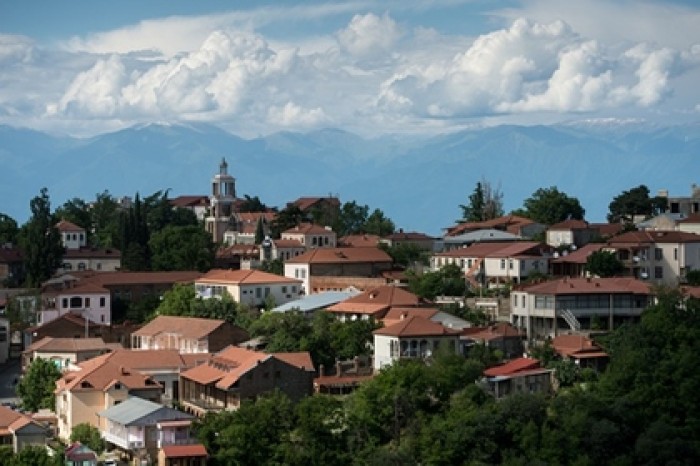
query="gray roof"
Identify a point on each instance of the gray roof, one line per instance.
(490, 234)
(674, 217)
(317, 301)
(137, 411)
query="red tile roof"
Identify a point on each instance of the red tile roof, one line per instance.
(511, 223)
(577, 346)
(68, 345)
(288, 243)
(188, 327)
(496, 250)
(341, 256)
(376, 300)
(184, 451)
(570, 224)
(95, 253)
(65, 225)
(359, 241)
(567, 286)
(492, 332)
(579, 256)
(190, 201)
(513, 367)
(136, 278)
(305, 203)
(692, 218)
(416, 326)
(397, 314)
(308, 229)
(100, 373)
(646, 237)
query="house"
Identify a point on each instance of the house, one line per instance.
(683, 205)
(582, 350)
(197, 204)
(307, 305)
(187, 335)
(64, 352)
(573, 263)
(495, 264)
(520, 226)
(66, 326)
(326, 269)
(375, 303)
(501, 336)
(345, 377)
(79, 256)
(250, 287)
(89, 300)
(487, 235)
(311, 236)
(419, 240)
(95, 385)
(77, 454)
(246, 226)
(161, 365)
(19, 430)
(555, 307)
(235, 374)
(238, 257)
(181, 455)
(359, 241)
(141, 427)
(412, 337)
(282, 249)
(522, 375)
(661, 257)
(397, 314)
(570, 233)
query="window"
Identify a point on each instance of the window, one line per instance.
(102, 301)
(503, 264)
(87, 302)
(99, 266)
(325, 240)
(64, 303)
(294, 289)
(81, 266)
(75, 302)
(258, 292)
(675, 254)
(523, 301)
(658, 272)
(510, 264)
(658, 254)
(267, 291)
(284, 289)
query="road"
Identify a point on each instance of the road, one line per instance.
(9, 373)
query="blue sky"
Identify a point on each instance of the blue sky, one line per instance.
(87, 67)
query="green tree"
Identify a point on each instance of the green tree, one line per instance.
(36, 387)
(181, 248)
(692, 277)
(88, 435)
(31, 455)
(9, 231)
(550, 206)
(287, 218)
(378, 224)
(406, 254)
(105, 217)
(604, 264)
(448, 281)
(182, 300)
(252, 204)
(485, 203)
(76, 211)
(41, 242)
(474, 211)
(134, 237)
(635, 202)
(275, 266)
(352, 219)
(259, 231)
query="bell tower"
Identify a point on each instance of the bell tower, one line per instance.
(221, 201)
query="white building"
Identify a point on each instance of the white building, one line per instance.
(251, 287)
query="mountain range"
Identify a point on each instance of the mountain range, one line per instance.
(418, 182)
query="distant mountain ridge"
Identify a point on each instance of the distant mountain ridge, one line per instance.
(419, 182)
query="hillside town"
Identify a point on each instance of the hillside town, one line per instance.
(213, 329)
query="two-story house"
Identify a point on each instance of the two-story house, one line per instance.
(311, 236)
(20, 430)
(494, 264)
(333, 269)
(95, 385)
(251, 287)
(412, 337)
(522, 375)
(187, 335)
(64, 352)
(661, 257)
(547, 309)
(79, 256)
(88, 300)
(237, 374)
(570, 233)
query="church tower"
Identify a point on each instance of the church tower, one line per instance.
(221, 201)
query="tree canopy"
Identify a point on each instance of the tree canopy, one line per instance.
(485, 203)
(36, 387)
(604, 264)
(88, 435)
(182, 248)
(41, 241)
(9, 230)
(550, 206)
(635, 202)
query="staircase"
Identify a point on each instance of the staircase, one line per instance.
(570, 319)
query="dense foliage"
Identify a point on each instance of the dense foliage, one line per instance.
(643, 410)
(550, 206)
(635, 202)
(485, 203)
(88, 435)
(448, 281)
(36, 387)
(604, 264)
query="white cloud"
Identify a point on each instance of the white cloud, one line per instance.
(369, 36)
(15, 49)
(293, 115)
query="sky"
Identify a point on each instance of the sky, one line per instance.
(87, 67)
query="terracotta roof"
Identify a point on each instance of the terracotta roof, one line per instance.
(377, 299)
(156, 359)
(308, 229)
(645, 237)
(359, 241)
(136, 278)
(397, 314)
(579, 256)
(692, 218)
(67, 345)
(238, 250)
(11, 420)
(300, 359)
(65, 225)
(288, 243)
(492, 332)
(510, 223)
(513, 367)
(608, 229)
(100, 373)
(74, 319)
(184, 451)
(244, 277)
(416, 326)
(567, 286)
(305, 203)
(576, 346)
(496, 250)
(341, 256)
(190, 201)
(189, 327)
(570, 224)
(691, 291)
(342, 380)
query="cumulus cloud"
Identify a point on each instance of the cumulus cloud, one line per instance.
(369, 36)
(293, 115)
